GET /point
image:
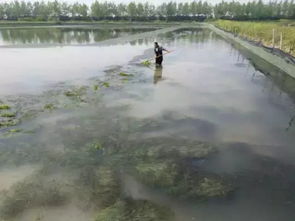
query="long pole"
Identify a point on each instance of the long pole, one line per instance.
(160, 55)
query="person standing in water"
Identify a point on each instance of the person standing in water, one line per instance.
(159, 53)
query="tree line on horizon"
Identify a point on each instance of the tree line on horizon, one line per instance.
(196, 10)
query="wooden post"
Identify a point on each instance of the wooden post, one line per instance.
(273, 38)
(281, 40)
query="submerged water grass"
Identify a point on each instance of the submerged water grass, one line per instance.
(96, 151)
(134, 210)
(90, 149)
(31, 193)
(167, 163)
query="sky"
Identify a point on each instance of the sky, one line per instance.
(156, 2)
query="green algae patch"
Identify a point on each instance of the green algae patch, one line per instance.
(76, 92)
(15, 131)
(49, 107)
(135, 210)
(4, 107)
(96, 87)
(125, 80)
(106, 84)
(146, 63)
(9, 123)
(97, 146)
(8, 114)
(122, 74)
(70, 94)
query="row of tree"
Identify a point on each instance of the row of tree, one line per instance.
(55, 10)
(256, 10)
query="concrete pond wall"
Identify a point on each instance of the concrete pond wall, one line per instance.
(273, 59)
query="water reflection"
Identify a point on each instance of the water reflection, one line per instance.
(291, 123)
(19, 36)
(272, 78)
(158, 74)
(37, 68)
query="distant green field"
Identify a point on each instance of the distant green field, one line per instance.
(263, 32)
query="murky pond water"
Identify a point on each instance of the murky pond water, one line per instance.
(32, 62)
(90, 133)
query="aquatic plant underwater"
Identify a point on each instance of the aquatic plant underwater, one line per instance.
(96, 146)
(84, 147)
(95, 152)
(95, 149)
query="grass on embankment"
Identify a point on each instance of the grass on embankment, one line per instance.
(263, 32)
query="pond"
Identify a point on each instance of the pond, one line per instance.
(89, 132)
